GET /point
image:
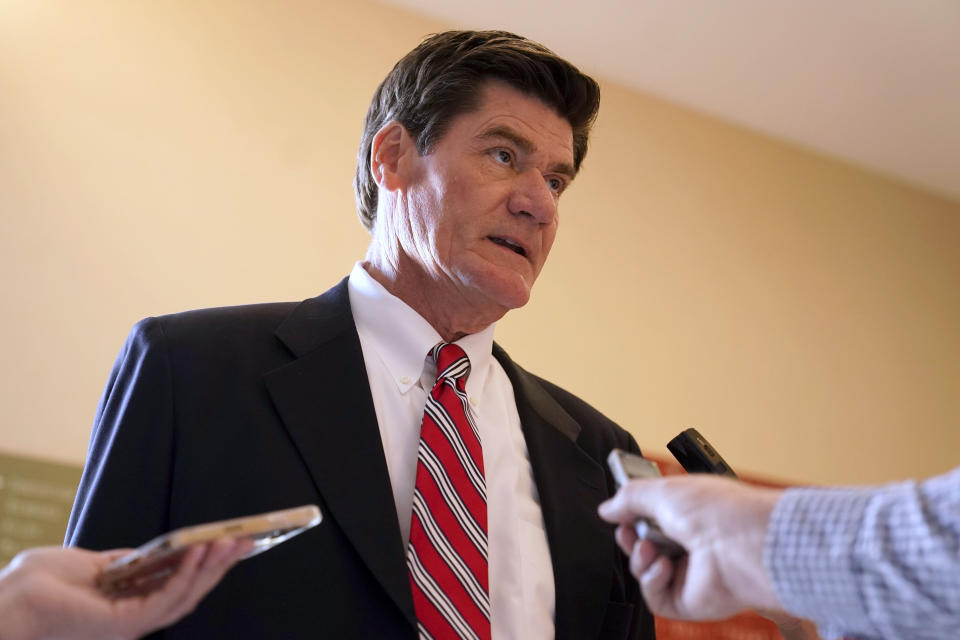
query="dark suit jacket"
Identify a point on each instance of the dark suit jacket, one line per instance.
(218, 413)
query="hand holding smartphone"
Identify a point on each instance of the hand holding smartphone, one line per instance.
(148, 566)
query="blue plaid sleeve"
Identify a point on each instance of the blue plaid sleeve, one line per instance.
(870, 562)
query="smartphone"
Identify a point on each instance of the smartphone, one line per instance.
(147, 567)
(626, 466)
(696, 455)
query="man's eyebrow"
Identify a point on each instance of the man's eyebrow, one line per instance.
(526, 146)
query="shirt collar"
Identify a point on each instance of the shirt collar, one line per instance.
(402, 338)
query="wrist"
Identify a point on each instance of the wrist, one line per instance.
(752, 582)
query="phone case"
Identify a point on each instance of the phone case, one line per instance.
(147, 567)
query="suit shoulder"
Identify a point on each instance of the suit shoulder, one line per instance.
(199, 338)
(247, 321)
(214, 319)
(234, 322)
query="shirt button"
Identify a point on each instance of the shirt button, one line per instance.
(474, 401)
(405, 379)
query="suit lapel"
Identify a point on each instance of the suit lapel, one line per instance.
(570, 485)
(324, 400)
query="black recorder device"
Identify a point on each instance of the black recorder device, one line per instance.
(694, 454)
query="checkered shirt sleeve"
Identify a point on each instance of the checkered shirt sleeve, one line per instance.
(870, 563)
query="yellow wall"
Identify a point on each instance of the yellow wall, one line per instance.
(158, 156)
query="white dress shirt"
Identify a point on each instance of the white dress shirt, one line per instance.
(396, 342)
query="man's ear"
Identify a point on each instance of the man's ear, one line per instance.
(390, 155)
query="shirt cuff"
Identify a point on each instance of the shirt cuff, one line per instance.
(809, 554)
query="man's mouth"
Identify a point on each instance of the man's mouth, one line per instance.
(509, 244)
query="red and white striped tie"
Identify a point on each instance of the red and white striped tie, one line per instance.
(447, 556)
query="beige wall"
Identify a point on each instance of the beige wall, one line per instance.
(157, 156)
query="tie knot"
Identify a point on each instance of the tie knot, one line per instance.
(452, 361)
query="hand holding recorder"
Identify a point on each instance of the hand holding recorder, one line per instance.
(720, 523)
(695, 532)
(694, 454)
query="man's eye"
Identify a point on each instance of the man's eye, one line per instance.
(556, 185)
(503, 156)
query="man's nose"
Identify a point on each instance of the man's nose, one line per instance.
(532, 197)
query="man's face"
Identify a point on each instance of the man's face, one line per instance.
(481, 207)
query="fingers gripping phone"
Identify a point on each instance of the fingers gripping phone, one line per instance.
(694, 454)
(147, 567)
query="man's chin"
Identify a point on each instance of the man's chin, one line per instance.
(510, 297)
(507, 291)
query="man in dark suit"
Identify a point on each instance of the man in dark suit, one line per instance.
(467, 146)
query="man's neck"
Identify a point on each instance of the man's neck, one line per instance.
(452, 315)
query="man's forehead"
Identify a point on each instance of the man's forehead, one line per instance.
(532, 123)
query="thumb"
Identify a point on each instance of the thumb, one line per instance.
(628, 503)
